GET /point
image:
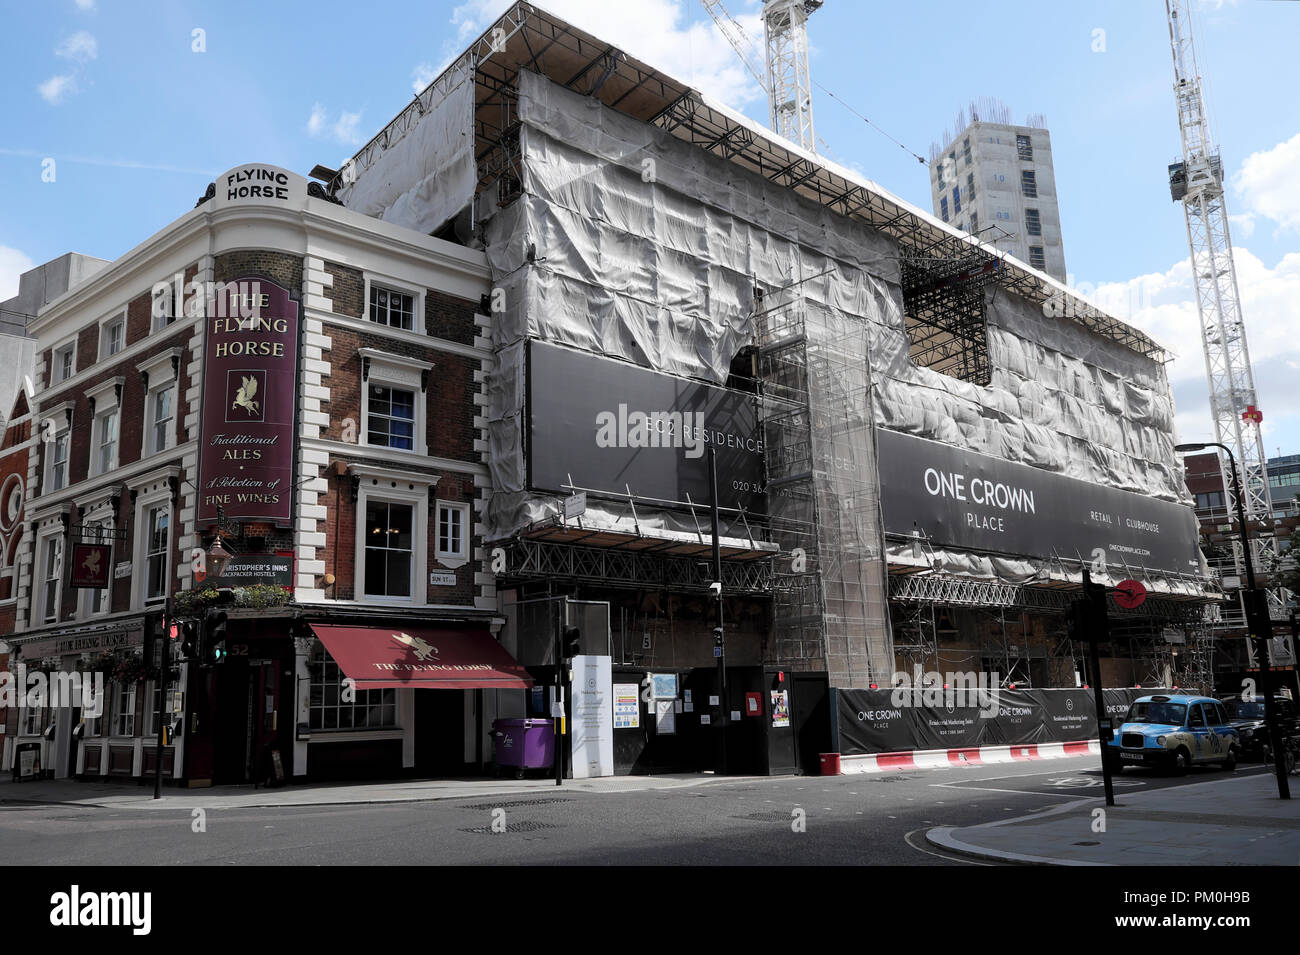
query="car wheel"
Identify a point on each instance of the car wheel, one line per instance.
(1231, 762)
(1182, 761)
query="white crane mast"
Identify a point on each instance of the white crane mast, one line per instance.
(1198, 182)
(783, 73)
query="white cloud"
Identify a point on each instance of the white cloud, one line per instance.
(1243, 226)
(85, 4)
(12, 264)
(1266, 183)
(56, 88)
(1163, 304)
(316, 122)
(81, 47)
(344, 129)
(422, 76)
(656, 31)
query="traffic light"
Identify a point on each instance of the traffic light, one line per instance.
(572, 642)
(153, 632)
(214, 642)
(189, 639)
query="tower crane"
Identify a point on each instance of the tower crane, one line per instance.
(783, 70)
(1197, 181)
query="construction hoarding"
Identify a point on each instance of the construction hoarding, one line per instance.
(900, 720)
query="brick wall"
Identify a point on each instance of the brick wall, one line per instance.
(347, 291)
(450, 408)
(87, 346)
(281, 267)
(131, 408)
(446, 316)
(340, 526)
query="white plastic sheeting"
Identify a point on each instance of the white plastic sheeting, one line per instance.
(647, 248)
(428, 175)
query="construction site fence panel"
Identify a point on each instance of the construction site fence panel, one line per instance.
(892, 721)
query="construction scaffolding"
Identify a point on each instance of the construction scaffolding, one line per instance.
(829, 606)
(1170, 641)
(626, 215)
(947, 322)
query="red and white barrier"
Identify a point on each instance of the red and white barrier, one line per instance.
(966, 756)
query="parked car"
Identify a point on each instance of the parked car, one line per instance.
(1176, 732)
(1247, 717)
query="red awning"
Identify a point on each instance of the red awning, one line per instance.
(379, 657)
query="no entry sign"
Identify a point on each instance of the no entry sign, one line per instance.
(1130, 594)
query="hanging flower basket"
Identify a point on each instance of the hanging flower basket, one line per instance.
(105, 663)
(193, 603)
(131, 669)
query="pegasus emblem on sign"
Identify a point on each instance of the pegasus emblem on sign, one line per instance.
(244, 396)
(423, 650)
(91, 562)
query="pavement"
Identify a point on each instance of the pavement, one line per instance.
(1238, 820)
(133, 795)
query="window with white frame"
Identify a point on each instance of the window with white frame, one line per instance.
(332, 709)
(105, 426)
(392, 539)
(93, 703)
(392, 307)
(157, 541)
(453, 534)
(390, 549)
(56, 476)
(159, 372)
(393, 414)
(390, 417)
(163, 307)
(51, 577)
(112, 336)
(124, 710)
(32, 720)
(160, 419)
(106, 441)
(65, 357)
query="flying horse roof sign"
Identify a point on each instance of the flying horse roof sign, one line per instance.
(249, 375)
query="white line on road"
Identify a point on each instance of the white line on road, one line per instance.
(991, 789)
(907, 838)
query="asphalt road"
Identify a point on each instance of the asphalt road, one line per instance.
(848, 820)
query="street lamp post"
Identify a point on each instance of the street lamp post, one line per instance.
(1258, 622)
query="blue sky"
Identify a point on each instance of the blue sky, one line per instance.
(138, 123)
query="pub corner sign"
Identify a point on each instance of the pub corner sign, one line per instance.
(249, 383)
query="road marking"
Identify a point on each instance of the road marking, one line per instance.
(990, 789)
(1090, 782)
(907, 838)
(989, 779)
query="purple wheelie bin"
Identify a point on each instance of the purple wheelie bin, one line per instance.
(523, 744)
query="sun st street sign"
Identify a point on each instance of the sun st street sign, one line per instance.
(250, 369)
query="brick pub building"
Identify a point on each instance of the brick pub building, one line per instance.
(330, 435)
